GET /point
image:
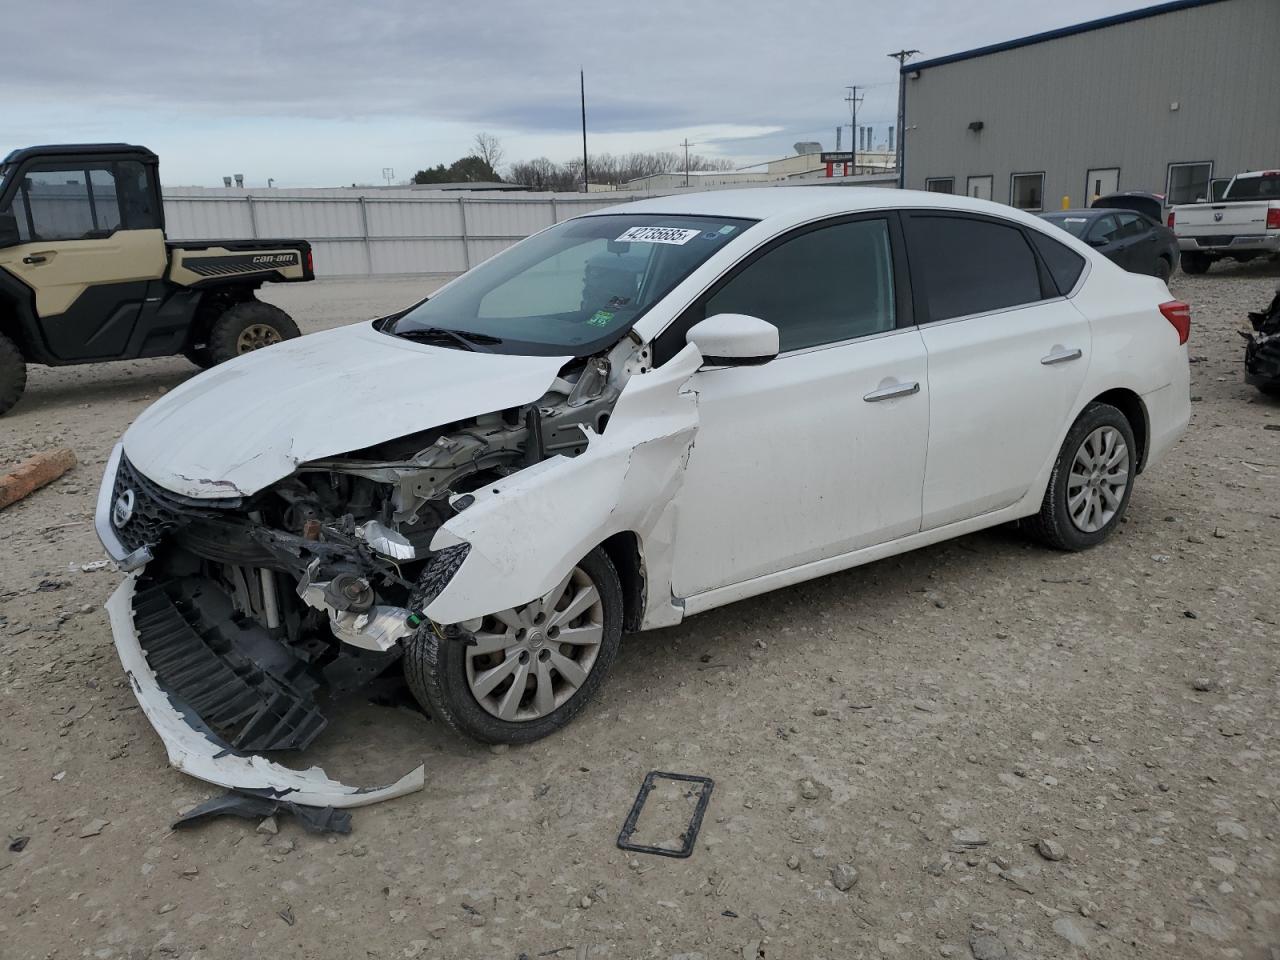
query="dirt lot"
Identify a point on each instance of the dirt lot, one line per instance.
(926, 719)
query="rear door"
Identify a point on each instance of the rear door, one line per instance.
(86, 240)
(1137, 240)
(1007, 359)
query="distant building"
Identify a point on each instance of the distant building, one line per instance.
(1165, 99)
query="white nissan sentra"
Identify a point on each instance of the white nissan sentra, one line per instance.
(631, 417)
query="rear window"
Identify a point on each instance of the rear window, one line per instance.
(963, 265)
(1265, 187)
(1065, 266)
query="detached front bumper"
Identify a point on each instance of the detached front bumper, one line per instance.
(201, 754)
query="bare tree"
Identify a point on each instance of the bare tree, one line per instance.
(545, 174)
(489, 149)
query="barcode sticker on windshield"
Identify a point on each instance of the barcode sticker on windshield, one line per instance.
(677, 235)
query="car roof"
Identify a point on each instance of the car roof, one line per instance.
(800, 204)
(1086, 213)
(1252, 174)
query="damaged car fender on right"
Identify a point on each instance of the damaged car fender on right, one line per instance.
(527, 532)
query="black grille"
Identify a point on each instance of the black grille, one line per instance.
(156, 511)
(245, 686)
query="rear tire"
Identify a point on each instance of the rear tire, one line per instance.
(436, 667)
(13, 374)
(245, 327)
(1065, 521)
(1195, 263)
(199, 356)
(1164, 269)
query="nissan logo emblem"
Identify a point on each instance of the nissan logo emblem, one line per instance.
(122, 512)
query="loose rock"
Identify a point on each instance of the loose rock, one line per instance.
(844, 876)
(1050, 849)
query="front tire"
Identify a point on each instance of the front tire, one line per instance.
(245, 327)
(13, 374)
(1091, 481)
(1195, 263)
(528, 671)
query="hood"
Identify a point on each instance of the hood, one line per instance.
(245, 424)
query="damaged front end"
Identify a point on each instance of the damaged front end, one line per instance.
(1262, 351)
(243, 616)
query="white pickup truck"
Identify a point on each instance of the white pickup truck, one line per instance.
(1243, 225)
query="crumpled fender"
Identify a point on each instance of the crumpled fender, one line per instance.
(527, 531)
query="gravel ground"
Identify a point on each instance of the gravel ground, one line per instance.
(1019, 753)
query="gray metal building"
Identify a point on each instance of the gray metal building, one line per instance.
(1163, 99)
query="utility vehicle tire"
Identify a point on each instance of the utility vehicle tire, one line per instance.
(199, 356)
(454, 680)
(1164, 269)
(1091, 481)
(245, 327)
(1195, 263)
(13, 374)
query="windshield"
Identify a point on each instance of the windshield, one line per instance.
(1076, 226)
(572, 289)
(1265, 187)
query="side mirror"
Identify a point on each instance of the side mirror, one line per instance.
(1097, 241)
(734, 340)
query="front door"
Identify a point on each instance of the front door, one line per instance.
(820, 451)
(980, 187)
(1099, 182)
(85, 250)
(1007, 360)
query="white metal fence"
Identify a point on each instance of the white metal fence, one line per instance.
(357, 233)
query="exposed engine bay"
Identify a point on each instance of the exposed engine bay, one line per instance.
(250, 609)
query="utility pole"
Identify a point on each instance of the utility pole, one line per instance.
(686, 146)
(902, 56)
(582, 89)
(853, 100)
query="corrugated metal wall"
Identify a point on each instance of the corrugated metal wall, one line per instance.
(375, 233)
(1197, 84)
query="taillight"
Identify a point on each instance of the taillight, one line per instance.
(1170, 219)
(1178, 314)
(1273, 218)
(311, 264)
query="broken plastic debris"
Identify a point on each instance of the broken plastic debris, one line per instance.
(199, 755)
(250, 807)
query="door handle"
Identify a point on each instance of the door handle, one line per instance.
(892, 390)
(35, 258)
(1061, 354)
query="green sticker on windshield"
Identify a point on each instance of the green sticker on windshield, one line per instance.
(601, 318)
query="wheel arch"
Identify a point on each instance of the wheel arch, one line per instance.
(624, 550)
(1135, 411)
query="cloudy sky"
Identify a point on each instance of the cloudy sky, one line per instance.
(329, 92)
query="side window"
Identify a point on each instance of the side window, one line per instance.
(67, 204)
(1132, 225)
(1065, 266)
(963, 265)
(823, 286)
(105, 201)
(137, 196)
(1104, 230)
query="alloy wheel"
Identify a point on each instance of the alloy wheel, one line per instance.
(1098, 479)
(528, 661)
(255, 337)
